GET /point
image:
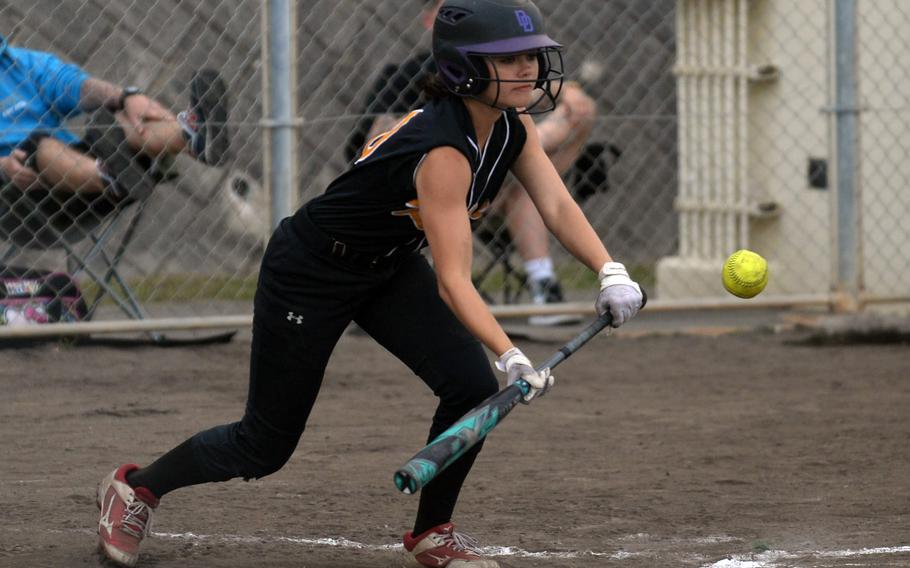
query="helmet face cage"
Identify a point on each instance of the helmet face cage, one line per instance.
(549, 80)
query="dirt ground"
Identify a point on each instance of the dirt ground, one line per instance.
(745, 450)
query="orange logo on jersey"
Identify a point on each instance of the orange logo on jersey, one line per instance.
(475, 213)
(412, 211)
(479, 210)
(378, 140)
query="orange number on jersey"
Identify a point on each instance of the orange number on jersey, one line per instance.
(378, 140)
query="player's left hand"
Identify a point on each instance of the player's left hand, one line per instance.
(514, 363)
(619, 294)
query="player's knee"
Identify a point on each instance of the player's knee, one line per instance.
(266, 448)
(250, 449)
(267, 461)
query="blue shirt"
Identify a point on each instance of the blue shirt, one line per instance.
(38, 91)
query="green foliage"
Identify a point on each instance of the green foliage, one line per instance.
(182, 288)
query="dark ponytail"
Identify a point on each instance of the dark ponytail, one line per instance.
(434, 89)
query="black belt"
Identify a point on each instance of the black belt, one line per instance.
(321, 242)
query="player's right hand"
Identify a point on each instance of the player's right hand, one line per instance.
(517, 366)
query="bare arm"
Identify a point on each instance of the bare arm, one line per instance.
(442, 186)
(97, 93)
(562, 216)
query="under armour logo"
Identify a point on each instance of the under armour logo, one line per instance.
(295, 318)
(524, 20)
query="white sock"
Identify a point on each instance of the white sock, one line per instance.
(539, 269)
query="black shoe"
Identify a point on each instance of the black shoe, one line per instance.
(107, 142)
(548, 291)
(206, 122)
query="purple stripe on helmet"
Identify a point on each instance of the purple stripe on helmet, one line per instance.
(510, 45)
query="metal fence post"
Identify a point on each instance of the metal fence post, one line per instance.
(279, 123)
(846, 109)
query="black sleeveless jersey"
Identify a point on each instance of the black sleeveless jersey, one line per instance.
(373, 207)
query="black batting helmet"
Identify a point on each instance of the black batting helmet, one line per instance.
(466, 31)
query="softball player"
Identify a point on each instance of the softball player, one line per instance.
(352, 254)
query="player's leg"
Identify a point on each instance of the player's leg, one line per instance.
(298, 318)
(408, 317)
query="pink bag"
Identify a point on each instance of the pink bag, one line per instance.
(30, 297)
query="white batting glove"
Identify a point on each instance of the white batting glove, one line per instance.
(618, 294)
(517, 366)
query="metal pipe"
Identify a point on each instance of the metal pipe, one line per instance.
(845, 108)
(715, 155)
(507, 311)
(702, 142)
(684, 82)
(279, 121)
(743, 120)
(729, 133)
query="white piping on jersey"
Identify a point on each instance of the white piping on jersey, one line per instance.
(473, 178)
(417, 167)
(483, 156)
(499, 157)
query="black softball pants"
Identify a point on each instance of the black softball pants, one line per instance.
(305, 300)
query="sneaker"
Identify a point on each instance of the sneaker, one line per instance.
(205, 123)
(107, 142)
(126, 516)
(548, 291)
(442, 546)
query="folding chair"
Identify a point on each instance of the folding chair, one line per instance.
(85, 229)
(43, 220)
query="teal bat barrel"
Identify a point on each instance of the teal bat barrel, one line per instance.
(459, 438)
(476, 424)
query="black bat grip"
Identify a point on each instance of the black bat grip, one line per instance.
(575, 343)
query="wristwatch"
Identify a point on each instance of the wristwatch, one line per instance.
(127, 92)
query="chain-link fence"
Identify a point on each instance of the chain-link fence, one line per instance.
(717, 126)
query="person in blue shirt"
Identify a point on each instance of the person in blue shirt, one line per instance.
(39, 93)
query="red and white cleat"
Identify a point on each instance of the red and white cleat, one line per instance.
(442, 546)
(126, 516)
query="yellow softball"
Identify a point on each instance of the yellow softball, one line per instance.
(745, 274)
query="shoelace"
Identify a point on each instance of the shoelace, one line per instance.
(461, 541)
(137, 519)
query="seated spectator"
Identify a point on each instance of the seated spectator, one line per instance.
(127, 132)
